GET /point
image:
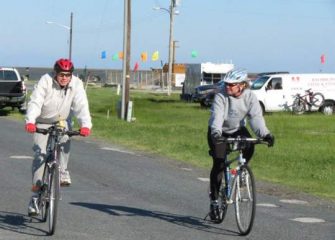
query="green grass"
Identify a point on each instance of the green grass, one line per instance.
(302, 158)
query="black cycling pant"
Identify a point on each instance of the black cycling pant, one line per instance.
(218, 152)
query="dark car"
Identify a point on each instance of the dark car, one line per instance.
(204, 94)
(12, 89)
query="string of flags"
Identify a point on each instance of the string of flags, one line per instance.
(144, 55)
(119, 56)
(155, 56)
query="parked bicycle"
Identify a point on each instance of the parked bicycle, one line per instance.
(302, 103)
(238, 185)
(49, 193)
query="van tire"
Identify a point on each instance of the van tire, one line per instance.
(328, 108)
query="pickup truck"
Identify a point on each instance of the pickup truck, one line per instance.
(204, 94)
(12, 89)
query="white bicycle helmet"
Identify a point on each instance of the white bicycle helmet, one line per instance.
(236, 76)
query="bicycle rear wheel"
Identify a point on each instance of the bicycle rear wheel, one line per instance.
(53, 199)
(317, 99)
(245, 200)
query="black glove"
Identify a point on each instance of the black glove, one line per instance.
(270, 139)
(216, 137)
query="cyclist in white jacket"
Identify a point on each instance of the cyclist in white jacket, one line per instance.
(52, 100)
(230, 109)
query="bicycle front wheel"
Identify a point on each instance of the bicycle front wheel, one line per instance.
(43, 198)
(298, 106)
(318, 99)
(53, 199)
(245, 200)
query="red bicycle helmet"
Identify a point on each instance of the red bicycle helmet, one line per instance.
(63, 65)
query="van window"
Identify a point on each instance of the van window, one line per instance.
(274, 84)
(259, 82)
(8, 75)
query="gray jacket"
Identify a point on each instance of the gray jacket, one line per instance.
(50, 103)
(229, 113)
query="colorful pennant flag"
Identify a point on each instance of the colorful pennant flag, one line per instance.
(136, 67)
(194, 54)
(144, 56)
(103, 54)
(155, 56)
(323, 59)
(115, 57)
(120, 55)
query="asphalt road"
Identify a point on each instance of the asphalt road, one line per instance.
(122, 195)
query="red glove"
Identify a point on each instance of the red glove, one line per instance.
(30, 127)
(84, 131)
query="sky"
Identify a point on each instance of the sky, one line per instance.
(258, 35)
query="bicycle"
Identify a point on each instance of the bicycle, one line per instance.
(238, 185)
(49, 193)
(302, 103)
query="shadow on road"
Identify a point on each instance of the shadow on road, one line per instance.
(19, 223)
(185, 221)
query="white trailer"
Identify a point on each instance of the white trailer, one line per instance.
(277, 92)
(203, 74)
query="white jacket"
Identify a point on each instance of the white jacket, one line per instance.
(50, 103)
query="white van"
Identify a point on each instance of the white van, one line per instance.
(277, 92)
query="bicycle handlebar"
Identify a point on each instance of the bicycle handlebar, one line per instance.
(49, 130)
(243, 140)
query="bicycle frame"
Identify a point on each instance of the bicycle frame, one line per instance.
(303, 98)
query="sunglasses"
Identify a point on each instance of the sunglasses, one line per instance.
(64, 74)
(231, 84)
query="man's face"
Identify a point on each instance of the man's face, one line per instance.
(63, 78)
(234, 89)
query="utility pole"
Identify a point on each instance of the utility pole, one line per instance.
(71, 27)
(171, 12)
(126, 59)
(70, 31)
(174, 52)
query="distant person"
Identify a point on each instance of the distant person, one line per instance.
(54, 97)
(231, 107)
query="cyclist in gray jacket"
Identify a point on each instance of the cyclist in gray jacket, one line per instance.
(230, 109)
(54, 97)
